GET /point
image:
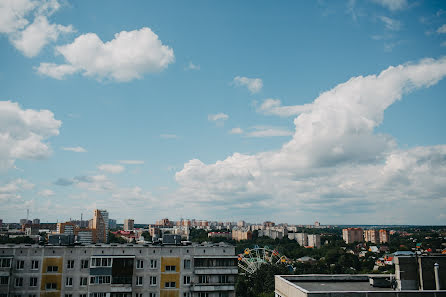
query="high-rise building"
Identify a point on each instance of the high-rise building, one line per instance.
(129, 224)
(103, 270)
(241, 224)
(371, 235)
(384, 236)
(66, 228)
(317, 224)
(23, 221)
(101, 225)
(112, 224)
(351, 235)
(314, 240)
(36, 222)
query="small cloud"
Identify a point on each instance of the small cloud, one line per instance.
(236, 131)
(111, 168)
(46, 193)
(168, 136)
(192, 66)
(76, 149)
(218, 117)
(392, 5)
(261, 131)
(63, 182)
(390, 23)
(442, 29)
(132, 162)
(254, 85)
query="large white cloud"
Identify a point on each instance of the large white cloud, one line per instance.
(130, 55)
(26, 24)
(334, 161)
(23, 133)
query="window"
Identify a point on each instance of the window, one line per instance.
(83, 281)
(4, 280)
(100, 279)
(84, 264)
(50, 286)
(171, 268)
(203, 279)
(186, 263)
(82, 295)
(223, 294)
(5, 263)
(69, 282)
(203, 294)
(186, 279)
(97, 294)
(70, 264)
(34, 264)
(139, 280)
(19, 282)
(32, 295)
(152, 294)
(169, 285)
(33, 281)
(153, 264)
(20, 264)
(68, 295)
(138, 294)
(52, 269)
(152, 280)
(186, 294)
(101, 262)
(139, 264)
(223, 279)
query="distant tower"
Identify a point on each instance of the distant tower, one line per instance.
(27, 214)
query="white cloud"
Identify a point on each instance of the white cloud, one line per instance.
(132, 162)
(390, 23)
(130, 55)
(274, 107)
(334, 164)
(46, 193)
(261, 131)
(76, 149)
(442, 29)
(168, 136)
(111, 168)
(392, 5)
(23, 133)
(192, 66)
(236, 131)
(15, 16)
(254, 85)
(38, 34)
(12, 190)
(218, 117)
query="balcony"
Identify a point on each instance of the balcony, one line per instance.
(216, 270)
(210, 287)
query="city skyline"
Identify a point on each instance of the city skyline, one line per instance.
(299, 112)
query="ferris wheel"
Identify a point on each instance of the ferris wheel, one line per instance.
(251, 259)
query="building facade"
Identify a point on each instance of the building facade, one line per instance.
(384, 236)
(351, 235)
(129, 224)
(314, 240)
(371, 235)
(118, 271)
(101, 225)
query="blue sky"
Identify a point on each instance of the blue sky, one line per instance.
(224, 110)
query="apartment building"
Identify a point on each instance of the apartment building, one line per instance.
(384, 236)
(314, 240)
(371, 235)
(100, 223)
(129, 224)
(118, 270)
(351, 235)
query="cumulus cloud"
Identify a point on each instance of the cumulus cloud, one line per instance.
(23, 133)
(46, 193)
(442, 29)
(130, 55)
(76, 149)
(274, 107)
(218, 117)
(236, 131)
(11, 191)
(335, 163)
(390, 23)
(111, 168)
(392, 5)
(30, 37)
(254, 85)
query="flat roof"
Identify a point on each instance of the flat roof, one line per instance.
(338, 286)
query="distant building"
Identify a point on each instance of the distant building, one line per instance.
(112, 223)
(371, 235)
(36, 222)
(314, 240)
(85, 236)
(65, 228)
(227, 235)
(301, 238)
(241, 224)
(384, 236)
(241, 234)
(23, 221)
(351, 235)
(1, 223)
(269, 224)
(100, 224)
(164, 222)
(129, 224)
(317, 224)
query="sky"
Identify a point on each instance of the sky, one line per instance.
(291, 111)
